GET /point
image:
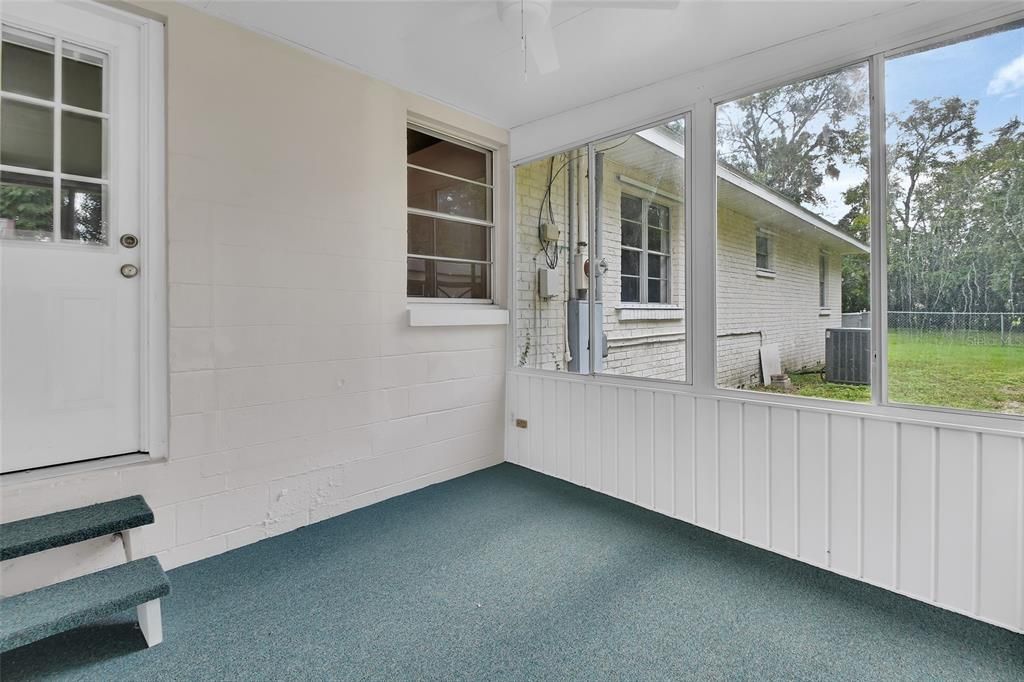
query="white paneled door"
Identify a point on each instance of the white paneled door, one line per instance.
(70, 222)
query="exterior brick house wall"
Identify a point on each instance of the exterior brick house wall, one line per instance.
(649, 340)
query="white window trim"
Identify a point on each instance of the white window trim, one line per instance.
(645, 252)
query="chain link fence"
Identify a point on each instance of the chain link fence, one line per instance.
(979, 329)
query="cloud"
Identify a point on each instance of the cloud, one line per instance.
(1008, 79)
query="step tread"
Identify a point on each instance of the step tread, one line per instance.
(36, 534)
(31, 616)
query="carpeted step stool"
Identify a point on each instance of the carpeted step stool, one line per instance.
(33, 615)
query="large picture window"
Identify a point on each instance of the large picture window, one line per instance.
(955, 224)
(792, 178)
(450, 217)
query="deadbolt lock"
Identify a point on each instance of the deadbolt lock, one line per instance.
(129, 241)
(128, 270)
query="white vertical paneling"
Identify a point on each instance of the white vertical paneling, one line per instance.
(564, 430)
(578, 424)
(511, 413)
(783, 480)
(916, 492)
(756, 478)
(684, 458)
(550, 422)
(706, 460)
(932, 512)
(535, 415)
(609, 440)
(879, 500)
(645, 449)
(844, 494)
(812, 492)
(593, 453)
(730, 468)
(626, 466)
(999, 565)
(954, 547)
(663, 469)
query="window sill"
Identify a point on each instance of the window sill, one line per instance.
(649, 311)
(441, 315)
(767, 274)
(825, 312)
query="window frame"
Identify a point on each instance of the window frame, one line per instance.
(490, 223)
(107, 181)
(769, 256)
(645, 252)
(823, 271)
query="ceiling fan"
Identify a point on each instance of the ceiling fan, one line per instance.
(531, 19)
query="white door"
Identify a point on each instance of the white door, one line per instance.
(71, 303)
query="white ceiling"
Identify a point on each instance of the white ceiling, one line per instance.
(460, 53)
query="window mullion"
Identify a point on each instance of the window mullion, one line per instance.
(878, 287)
(644, 207)
(58, 51)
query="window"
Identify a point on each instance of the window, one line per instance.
(823, 280)
(954, 224)
(54, 118)
(763, 250)
(792, 184)
(600, 249)
(645, 250)
(450, 217)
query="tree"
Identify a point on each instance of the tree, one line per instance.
(789, 138)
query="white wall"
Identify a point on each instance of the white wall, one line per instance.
(297, 389)
(932, 512)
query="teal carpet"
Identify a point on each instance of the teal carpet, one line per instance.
(506, 574)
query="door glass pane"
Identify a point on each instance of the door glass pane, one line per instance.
(427, 151)
(83, 212)
(82, 145)
(27, 66)
(82, 79)
(441, 194)
(26, 135)
(26, 207)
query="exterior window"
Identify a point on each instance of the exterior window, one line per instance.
(792, 175)
(764, 252)
(823, 280)
(450, 217)
(645, 251)
(54, 122)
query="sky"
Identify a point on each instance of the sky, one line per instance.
(989, 69)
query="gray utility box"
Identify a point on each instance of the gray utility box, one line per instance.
(579, 335)
(848, 355)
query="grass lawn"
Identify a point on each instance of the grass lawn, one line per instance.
(937, 370)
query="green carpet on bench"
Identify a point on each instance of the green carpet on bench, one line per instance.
(509, 574)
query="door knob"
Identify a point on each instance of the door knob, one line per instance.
(128, 270)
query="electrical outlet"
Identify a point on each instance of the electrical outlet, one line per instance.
(520, 423)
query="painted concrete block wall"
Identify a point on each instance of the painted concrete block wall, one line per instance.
(297, 389)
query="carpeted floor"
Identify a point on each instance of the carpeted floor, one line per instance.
(509, 574)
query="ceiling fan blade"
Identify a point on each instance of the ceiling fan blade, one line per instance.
(540, 45)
